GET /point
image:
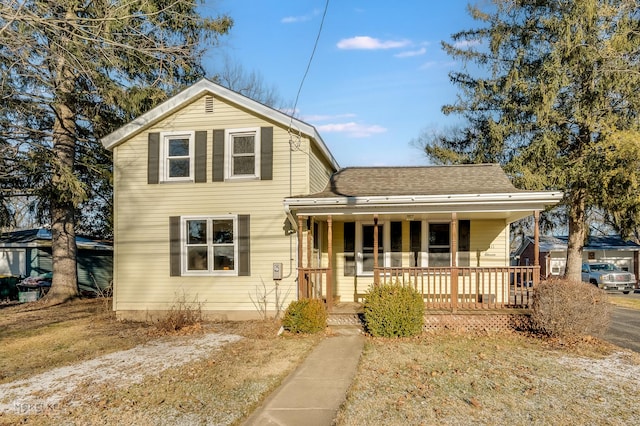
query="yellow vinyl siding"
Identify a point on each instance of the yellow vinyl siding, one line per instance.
(489, 243)
(142, 278)
(319, 171)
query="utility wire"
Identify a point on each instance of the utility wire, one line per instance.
(295, 105)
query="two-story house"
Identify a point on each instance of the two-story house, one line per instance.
(224, 201)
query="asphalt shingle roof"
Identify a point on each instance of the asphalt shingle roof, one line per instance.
(431, 180)
(42, 236)
(594, 242)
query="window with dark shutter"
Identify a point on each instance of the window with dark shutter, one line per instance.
(218, 155)
(209, 245)
(464, 242)
(349, 249)
(415, 242)
(175, 247)
(266, 153)
(244, 246)
(153, 158)
(201, 156)
(396, 244)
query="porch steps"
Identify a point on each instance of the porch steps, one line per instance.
(346, 318)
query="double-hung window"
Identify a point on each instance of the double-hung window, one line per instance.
(243, 153)
(209, 245)
(177, 156)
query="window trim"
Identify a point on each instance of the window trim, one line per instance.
(210, 246)
(165, 137)
(228, 158)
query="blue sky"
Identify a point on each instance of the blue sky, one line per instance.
(378, 77)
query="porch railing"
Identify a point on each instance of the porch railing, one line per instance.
(474, 288)
(312, 283)
(468, 287)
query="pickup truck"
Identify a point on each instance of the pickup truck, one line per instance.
(608, 276)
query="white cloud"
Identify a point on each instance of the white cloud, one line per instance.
(370, 43)
(302, 18)
(410, 53)
(437, 64)
(352, 129)
(466, 43)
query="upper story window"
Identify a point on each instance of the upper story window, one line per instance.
(177, 156)
(243, 153)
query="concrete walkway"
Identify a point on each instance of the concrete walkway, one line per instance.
(312, 394)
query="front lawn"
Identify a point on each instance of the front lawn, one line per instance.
(455, 379)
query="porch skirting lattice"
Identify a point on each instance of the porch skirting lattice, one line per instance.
(441, 321)
(472, 321)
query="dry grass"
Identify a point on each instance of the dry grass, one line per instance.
(492, 379)
(221, 388)
(624, 301)
(36, 338)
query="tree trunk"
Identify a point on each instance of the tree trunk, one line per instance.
(64, 285)
(577, 235)
(64, 252)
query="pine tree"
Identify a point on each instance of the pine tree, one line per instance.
(550, 89)
(73, 71)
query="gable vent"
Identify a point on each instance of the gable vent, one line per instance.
(208, 104)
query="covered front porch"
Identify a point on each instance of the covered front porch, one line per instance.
(443, 288)
(444, 230)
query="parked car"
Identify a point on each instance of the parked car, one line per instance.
(608, 276)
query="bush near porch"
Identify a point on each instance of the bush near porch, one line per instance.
(393, 310)
(569, 309)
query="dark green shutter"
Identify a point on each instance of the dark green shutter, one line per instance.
(464, 242)
(396, 244)
(174, 246)
(201, 156)
(244, 246)
(415, 242)
(218, 155)
(349, 249)
(266, 153)
(153, 158)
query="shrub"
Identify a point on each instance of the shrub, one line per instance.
(393, 310)
(305, 316)
(182, 314)
(569, 309)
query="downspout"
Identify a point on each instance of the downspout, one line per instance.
(289, 215)
(294, 230)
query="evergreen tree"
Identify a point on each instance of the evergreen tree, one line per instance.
(73, 71)
(550, 89)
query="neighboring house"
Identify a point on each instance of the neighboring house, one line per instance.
(223, 201)
(553, 253)
(27, 253)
